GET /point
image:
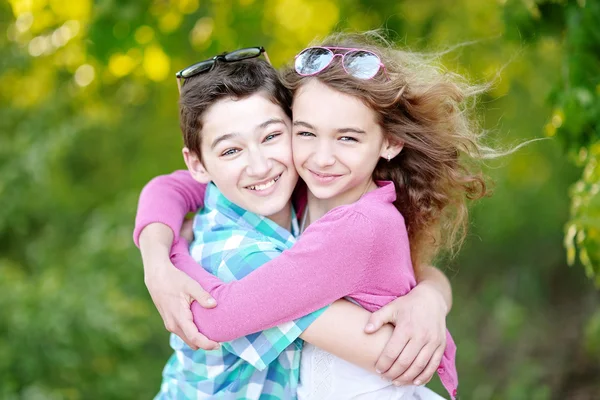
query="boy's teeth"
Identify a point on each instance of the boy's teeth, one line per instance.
(263, 186)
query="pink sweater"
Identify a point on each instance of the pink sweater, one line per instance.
(360, 250)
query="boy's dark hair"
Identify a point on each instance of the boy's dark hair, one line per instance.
(236, 80)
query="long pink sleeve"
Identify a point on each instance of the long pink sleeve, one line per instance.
(328, 262)
(167, 199)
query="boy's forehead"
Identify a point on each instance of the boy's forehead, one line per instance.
(241, 115)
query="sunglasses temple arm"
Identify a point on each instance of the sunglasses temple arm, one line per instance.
(267, 57)
(385, 72)
(179, 85)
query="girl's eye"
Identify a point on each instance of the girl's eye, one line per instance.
(348, 139)
(306, 134)
(229, 152)
(271, 136)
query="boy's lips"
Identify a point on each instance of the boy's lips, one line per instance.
(264, 185)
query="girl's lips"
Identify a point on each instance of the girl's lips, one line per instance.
(324, 178)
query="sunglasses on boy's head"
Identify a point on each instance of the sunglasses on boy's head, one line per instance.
(207, 65)
(359, 63)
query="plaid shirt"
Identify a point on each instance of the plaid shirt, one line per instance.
(231, 242)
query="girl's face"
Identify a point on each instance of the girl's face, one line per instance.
(336, 143)
(246, 152)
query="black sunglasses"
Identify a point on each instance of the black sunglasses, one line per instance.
(206, 65)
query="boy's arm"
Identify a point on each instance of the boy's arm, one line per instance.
(418, 316)
(339, 331)
(162, 206)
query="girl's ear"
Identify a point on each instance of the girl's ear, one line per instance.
(195, 166)
(391, 149)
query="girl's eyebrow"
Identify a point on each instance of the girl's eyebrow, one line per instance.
(340, 130)
(351, 130)
(304, 124)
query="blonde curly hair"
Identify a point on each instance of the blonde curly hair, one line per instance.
(430, 110)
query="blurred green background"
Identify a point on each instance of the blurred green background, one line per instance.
(89, 114)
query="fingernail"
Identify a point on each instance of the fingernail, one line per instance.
(417, 382)
(210, 301)
(378, 371)
(370, 327)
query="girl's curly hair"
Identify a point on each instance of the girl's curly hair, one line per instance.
(429, 110)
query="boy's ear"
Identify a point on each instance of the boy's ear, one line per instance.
(391, 149)
(195, 166)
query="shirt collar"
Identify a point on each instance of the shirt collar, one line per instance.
(215, 200)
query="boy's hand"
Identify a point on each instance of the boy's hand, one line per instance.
(172, 292)
(415, 349)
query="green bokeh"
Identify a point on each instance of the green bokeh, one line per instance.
(89, 114)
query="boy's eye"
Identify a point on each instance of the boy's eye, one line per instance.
(348, 139)
(271, 136)
(229, 152)
(306, 134)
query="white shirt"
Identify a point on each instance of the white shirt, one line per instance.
(324, 376)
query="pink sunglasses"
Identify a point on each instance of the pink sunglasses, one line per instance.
(359, 63)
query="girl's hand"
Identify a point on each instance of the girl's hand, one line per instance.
(415, 349)
(172, 292)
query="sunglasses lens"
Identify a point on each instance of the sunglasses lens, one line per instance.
(313, 60)
(197, 68)
(243, 54)
(361, 64)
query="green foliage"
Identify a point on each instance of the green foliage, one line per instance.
(576, 117)
(88, 115)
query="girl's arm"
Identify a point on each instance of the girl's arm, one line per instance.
(163, 204)
(314, 273)
(167, 199)
(335, 279)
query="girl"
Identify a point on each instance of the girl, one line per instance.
(380, 138)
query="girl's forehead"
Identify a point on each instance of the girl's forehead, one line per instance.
(318, 102)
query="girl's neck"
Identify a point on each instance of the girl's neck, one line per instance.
(316, 208)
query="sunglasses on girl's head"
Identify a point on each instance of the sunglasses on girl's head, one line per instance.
(207, 65)
(359, 63)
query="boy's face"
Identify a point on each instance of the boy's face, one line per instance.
(247, 152)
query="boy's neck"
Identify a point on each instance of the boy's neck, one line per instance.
(283, 218)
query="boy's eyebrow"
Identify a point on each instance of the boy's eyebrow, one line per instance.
(228, 136)
(221, 138)
(270, 122)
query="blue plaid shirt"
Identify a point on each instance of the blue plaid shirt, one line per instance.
(231, 242)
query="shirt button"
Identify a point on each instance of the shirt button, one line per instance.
(441, 370)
